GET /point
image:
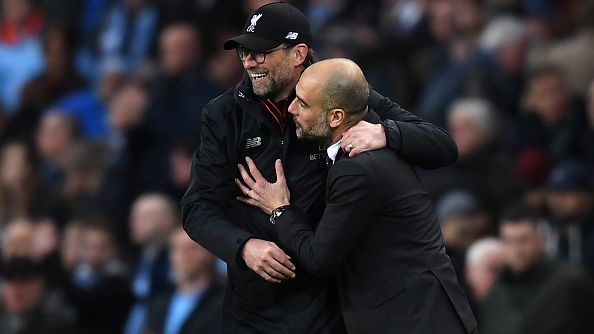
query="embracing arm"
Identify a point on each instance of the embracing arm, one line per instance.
(416, 140)
(350, 206)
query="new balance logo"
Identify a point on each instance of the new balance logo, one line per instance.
(253, 22)
(253, 142)
(292, 35)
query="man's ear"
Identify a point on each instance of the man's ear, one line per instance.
(336, 117)
(299, 54)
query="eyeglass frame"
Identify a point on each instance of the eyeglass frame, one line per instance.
(256, 54)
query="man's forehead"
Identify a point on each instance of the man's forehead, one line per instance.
(309, 81)
(307, 86)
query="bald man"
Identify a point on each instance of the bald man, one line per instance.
(379, 233)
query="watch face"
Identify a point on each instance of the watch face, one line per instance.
(276, 213)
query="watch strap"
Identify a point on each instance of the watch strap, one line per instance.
(276, 213)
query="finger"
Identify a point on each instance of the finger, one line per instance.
(280, 268)
(280, 172)
(279, 256)
(242, 187)
(356, 150)
(267, 277)
(345, 147)
(245, 200)
(246, 177)
(286, 262)
(344, 142)
(272, 272)
(254, 170)
(250, 201)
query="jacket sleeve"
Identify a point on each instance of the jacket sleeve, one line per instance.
(211, 191)
(416, 140)
(350, 206)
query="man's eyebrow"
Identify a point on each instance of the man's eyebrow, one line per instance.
(302, 101)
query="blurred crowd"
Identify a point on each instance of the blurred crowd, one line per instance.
(100, 105)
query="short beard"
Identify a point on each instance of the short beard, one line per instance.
(278, 80)
(319, 132)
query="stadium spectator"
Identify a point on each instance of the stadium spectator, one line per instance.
(573, 53)
(534, 293)
(181, 91)
(553, 122)
(484, 261)
(25, 307)
(532, 168)
(22, 194)
(493, 71)
(59, 78)
(17, 239)
(483, 167)
(57, 132)
(98, 287)
(88, 188)
(128, 34)
(21, 56)
(72, 245)
(196, 304)
(222, 68)
(129, 142)
(571, 207)
(36, 240)
(152, 219)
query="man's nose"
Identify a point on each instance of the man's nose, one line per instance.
(248, 61)
(293, 107)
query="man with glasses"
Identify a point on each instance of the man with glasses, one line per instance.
(267, 293)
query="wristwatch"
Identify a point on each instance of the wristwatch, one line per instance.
(276, 213)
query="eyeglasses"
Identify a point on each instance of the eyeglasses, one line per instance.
(259, 57)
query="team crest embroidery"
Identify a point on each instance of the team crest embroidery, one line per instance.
(253, 22)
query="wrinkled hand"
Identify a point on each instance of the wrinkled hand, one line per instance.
(261, 193)
(362, 137)
(268, 260)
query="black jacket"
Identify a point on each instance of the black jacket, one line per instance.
(379, 233)
(205, 318)
(547, 298)
(236, 125)
(103, 308)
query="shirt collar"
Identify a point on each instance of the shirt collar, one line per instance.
(332, 151)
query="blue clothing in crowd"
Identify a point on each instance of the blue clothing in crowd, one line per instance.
(19, 63)
(182, 305)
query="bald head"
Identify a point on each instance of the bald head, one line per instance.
(152, 218)
(331, 96)
(342, 85)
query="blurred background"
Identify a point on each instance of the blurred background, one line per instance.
(100, 102)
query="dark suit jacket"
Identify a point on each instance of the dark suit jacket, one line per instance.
(103, 308)
(205, 318)
(380, 234)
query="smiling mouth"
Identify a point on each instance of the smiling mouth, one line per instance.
(258, 76)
